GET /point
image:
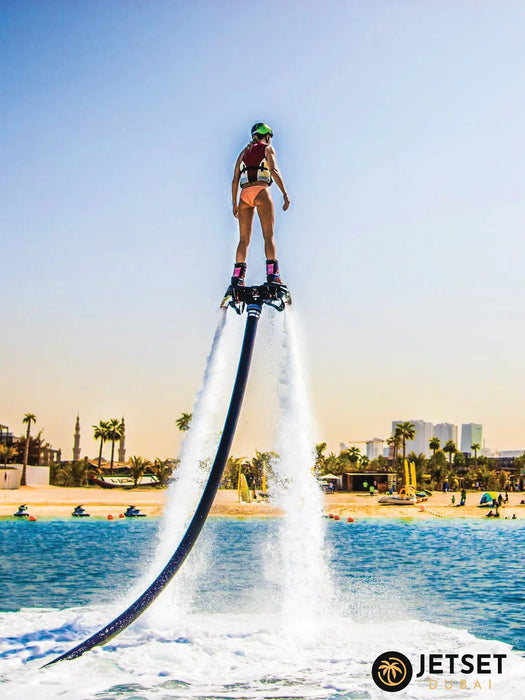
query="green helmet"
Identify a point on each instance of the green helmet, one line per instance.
(261, 128)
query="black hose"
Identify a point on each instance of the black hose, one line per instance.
(199, 518)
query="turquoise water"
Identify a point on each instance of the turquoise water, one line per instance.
(464, 574)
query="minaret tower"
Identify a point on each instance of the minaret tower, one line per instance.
(122, 444)
(76, 443)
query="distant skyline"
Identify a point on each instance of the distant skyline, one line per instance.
(79, 438)
(399, 133)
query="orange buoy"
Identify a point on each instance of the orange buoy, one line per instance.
(422, 509)
(32, 519)
(336, 517)
(331, 515)
(350, 519)
(110, 517)
(121, 515)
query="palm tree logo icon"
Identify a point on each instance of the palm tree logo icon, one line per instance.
(392, 671)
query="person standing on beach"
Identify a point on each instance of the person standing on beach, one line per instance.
(255, 170)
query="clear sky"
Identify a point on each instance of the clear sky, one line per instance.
(399, 130)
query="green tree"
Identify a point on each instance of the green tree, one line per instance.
(28, 419)
(231, 472)
(475, 447)
(137, 465)
(451, 449)
(71, 474)
(434, 444)
(394, 441)
(7, 453)
(115, 430)
(354, 455)
(163, 470)
(459, 459)
(438, 471)
(406, 431)
(320, 458)
(100, 432)
(183, 423)
(364, 461)
(262, 467)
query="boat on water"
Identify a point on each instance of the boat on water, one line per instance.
(124, 481)
(80, 512)
(21, 512)
(397, 499)
(133, 512)
(408, 495)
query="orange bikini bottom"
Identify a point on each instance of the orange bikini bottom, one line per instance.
(248, 194)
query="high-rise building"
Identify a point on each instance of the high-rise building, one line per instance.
(446, 432)
(423, 434)
(470, 433)
(374, 448)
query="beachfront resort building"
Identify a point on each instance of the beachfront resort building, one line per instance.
(471, 433)
(446, 432)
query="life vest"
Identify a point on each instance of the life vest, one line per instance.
(254, 166)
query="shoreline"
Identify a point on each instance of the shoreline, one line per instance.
(58, 501)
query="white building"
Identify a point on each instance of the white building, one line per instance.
(374, 448)
(423, 435)
(446, 432)
(471, 433)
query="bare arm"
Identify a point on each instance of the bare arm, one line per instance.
(276, 175)
(235, 185)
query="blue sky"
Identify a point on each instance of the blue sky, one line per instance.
(399, 132)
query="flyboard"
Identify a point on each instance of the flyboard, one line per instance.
(252, 299)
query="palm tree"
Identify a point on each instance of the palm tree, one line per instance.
(393, 442)
(162, 470)
(136, 467)
(262, 464)
(183, 423)
(319, 458)
(100, 432)
(364, 461)
(475, 447)
(451, 448)
(405, 431)
(115, 429)
(233, 471)
(354, 454)
(7, 453)
(434, 444)
(28, 418)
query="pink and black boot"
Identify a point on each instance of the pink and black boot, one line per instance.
(239, 273)
(272, 272)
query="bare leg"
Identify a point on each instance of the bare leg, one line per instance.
(245, 231)
(264, 205)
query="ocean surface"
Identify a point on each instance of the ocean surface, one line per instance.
(220, 629)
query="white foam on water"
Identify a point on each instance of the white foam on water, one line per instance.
(235, 656)
(196, 457)
(298, 560)
(304, 651)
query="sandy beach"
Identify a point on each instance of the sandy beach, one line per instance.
(55, 501)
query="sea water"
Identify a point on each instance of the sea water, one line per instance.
(407, 585)
(291, 607)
